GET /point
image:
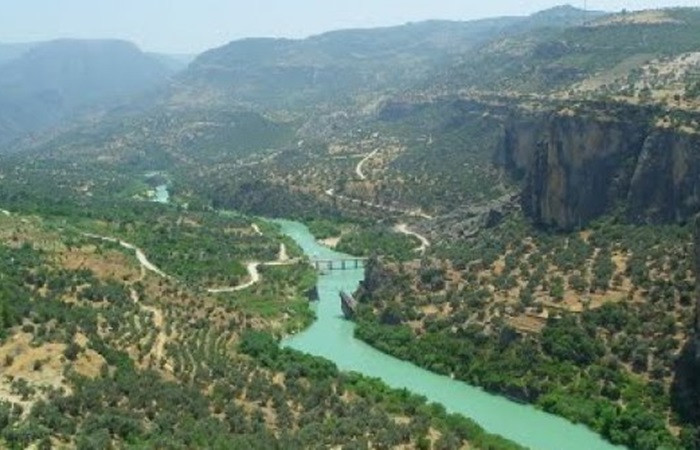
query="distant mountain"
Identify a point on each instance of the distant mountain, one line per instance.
(174, 62)
(596, 51)
(53, 81)
(9, 52)
(563, 16)
(338, 65)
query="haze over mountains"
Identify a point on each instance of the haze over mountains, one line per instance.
(521, 192)
(316, 88)
(46, 83)
(341, 64)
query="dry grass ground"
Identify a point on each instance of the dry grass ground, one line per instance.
(506, 302)
(41, 366)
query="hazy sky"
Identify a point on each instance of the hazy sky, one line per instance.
(191, 26)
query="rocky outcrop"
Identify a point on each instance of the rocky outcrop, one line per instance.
(312, 294)
(579, 160)
(468, 221)
(579, 168)
(348, 305)
(521, 140)
(665, 186)
(577, 165)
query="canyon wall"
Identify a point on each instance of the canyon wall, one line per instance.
(666, 184)
(579, 164)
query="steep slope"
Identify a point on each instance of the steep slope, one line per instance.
(338, 65)
(557, 60)
(581, 162)
(56, 80)
(97, 353)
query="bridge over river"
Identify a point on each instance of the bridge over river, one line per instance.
(332, 337)
(339, 263)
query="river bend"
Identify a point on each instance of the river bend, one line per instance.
(331, 337)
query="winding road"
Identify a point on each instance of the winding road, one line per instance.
(253, 274)
(424, 242)
(358, 168)
(252, 267)
(361, 175)
(282, 256)
(140, 255)
(331, 193)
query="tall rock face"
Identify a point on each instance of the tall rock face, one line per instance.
(521, 141)
(580, 168)
(578, 165)
(665, 186)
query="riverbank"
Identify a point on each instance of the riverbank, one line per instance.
(332, 337)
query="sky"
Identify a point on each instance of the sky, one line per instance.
(192, 26)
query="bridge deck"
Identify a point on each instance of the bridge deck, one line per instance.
(339, 264)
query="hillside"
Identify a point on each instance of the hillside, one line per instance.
(522, 188)
(338, 66)
(54, 81)
(108, 342)
(605, 57)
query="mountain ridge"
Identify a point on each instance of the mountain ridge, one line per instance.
(351, 61)
(48, 83)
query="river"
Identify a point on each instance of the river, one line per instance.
(331, 337)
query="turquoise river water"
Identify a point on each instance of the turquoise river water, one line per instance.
(331, 336)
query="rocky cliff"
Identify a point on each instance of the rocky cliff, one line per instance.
(579, 164)
(665, 186)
